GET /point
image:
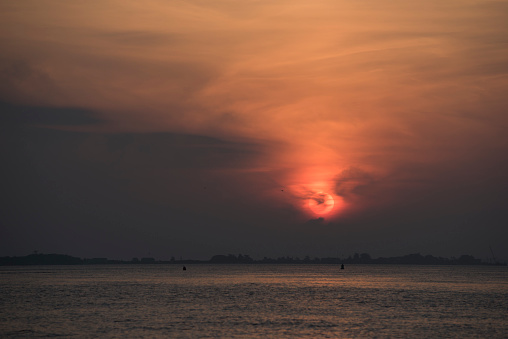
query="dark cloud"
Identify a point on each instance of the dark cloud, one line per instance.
(319, 198)
(25, 81)
(315, 222)
(123, 194)
(46, 116)
(352, 182)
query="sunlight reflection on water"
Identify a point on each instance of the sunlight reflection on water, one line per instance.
(254, 301)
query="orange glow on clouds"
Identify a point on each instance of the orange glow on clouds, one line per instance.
(326, 86)
(313, 191)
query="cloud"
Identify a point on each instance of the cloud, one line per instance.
(113, 191)
(315, 222)
(47, 116)
(25, 81)
(319, 198)
(353, 182)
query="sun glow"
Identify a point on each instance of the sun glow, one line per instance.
(313, 189)
(321, 203)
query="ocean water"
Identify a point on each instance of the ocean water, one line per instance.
(254, 301)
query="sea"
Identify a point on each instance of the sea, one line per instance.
(254, 301)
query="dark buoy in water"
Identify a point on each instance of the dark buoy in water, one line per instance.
(342, 266)
(185, 268)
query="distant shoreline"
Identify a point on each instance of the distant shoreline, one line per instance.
(364, 258)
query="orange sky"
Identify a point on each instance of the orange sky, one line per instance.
(359, 99)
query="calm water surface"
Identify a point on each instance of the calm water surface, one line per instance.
(253, 301)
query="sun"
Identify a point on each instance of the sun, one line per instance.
(321, 203)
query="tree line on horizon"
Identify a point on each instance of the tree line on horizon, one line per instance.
(363, 258)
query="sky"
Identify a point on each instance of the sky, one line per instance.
(269, 128)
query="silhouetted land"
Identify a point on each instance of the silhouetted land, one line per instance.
(364, 258)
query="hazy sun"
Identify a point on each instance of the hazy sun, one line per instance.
(321, 203)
